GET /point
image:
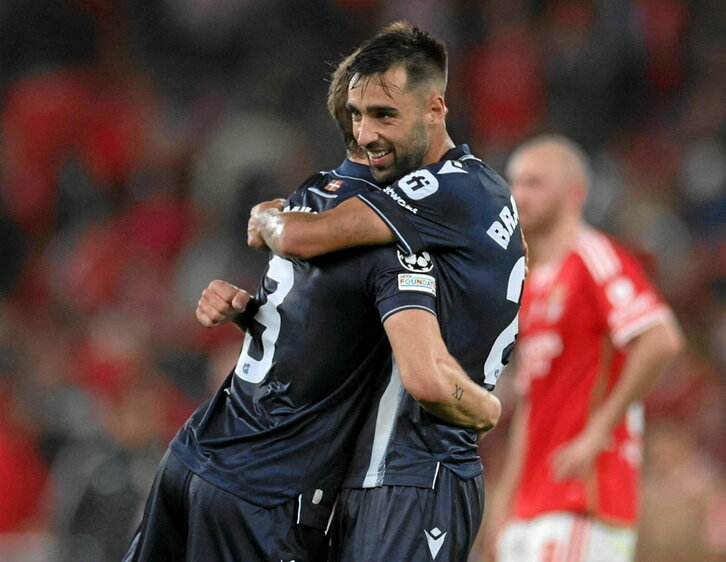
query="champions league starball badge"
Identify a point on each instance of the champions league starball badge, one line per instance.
(419, 263)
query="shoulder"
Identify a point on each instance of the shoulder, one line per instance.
(328, 188)
(316, 179)
(335, 183)
(453, 179)
(604, 257)
(465, 174)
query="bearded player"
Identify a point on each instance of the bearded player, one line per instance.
(595, 335)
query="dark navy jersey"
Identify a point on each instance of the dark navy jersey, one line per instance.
(463, 211)
(284, 423)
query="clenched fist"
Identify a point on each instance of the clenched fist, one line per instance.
(220, 303)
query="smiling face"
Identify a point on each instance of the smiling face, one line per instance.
(389, 123)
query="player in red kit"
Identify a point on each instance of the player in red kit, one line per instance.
(594, 336)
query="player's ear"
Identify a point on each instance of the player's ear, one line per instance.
(577, 194)
(436, 109)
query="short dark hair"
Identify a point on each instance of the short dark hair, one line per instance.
(402, 44)
(337, 104)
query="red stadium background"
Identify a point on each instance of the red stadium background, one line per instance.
(136, 134)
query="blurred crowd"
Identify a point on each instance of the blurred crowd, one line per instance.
(135, 135)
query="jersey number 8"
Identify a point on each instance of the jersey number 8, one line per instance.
(255, 370)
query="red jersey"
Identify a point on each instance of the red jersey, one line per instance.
(576, 317)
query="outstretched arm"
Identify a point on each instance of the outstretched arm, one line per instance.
(306, 235)
(433, 377)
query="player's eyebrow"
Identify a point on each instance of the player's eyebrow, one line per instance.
(373, 108)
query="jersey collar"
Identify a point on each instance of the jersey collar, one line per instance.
(363, 172)
(355, 170)
(456, 153)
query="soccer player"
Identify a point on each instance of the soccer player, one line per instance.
(254, 472)
(595, 335)
(414, 490)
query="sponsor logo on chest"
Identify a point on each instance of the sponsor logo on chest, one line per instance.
(400, 200)
(547, 308)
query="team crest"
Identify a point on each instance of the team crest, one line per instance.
(334, 185)
(555, 303)
(419, 263)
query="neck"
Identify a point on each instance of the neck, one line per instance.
(548, 246)
(440, 144)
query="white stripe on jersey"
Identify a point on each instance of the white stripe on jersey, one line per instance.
(385, 423)
(624, 334)
(337, 175)
(599, 255)
(323, 193)
(407, 307)
(330, 519)
(470, 157)
(593, 266)
(436, 475)
(404, 243)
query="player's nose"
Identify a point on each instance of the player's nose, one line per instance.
(366, 132)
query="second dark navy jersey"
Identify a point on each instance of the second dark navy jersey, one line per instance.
(464, 212)
(284, 423)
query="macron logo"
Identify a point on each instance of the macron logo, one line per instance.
(435, 539)
(452, 167)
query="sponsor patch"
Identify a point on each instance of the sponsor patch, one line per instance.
(334, 185)
(419, 184)
(417, 282)
(420, 262)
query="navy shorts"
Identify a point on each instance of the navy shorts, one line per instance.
(404, 523)
(188, 519)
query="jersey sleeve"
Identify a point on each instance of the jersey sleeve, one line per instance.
(400, 282)
(629, 302)
(428, 208)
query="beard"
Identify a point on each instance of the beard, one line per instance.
(409, 155)
(542, 219)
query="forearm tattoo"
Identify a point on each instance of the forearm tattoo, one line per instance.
(458, 392)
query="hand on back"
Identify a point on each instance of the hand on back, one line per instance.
(254, 239)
